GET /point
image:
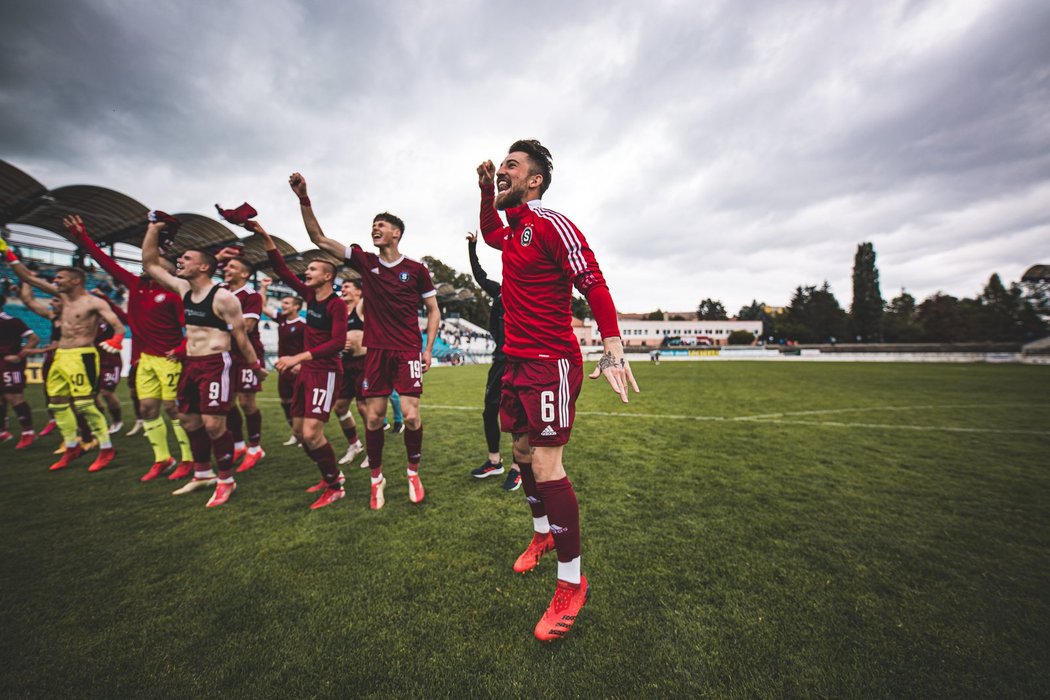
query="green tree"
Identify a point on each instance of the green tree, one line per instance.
(741, 338)
(943, 319)
(580, 307)
(898, 322)
(1007, 314)
(866, 310)
(657, 315)
(814, 316)
(756, 311)
(711, 310)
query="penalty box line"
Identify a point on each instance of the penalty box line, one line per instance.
(786, 419)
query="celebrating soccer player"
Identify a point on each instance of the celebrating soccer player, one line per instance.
(155, 317)
(393, 286)
(13, 331)
(544, 256)
(74, 371)
(204, 392)
(319, 376)
(290, 330)
(354, 352)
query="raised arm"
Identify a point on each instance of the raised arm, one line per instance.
(22, 273)
(229, 310)
(151, 260)
(491, 288)
(271, 310)
(280, 268)
(25, 293)
(313, 228)
(75, 225)
(491, 225)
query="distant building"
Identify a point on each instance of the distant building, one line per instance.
(637, 331)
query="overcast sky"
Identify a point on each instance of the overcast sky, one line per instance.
(732, 150)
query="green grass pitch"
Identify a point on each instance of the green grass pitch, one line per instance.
(749, 529)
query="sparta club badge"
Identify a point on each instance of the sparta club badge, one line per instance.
(526, 235)
(403, 277)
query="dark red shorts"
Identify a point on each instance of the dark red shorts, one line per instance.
(353, 373)
(245, 381)
(110, 375)
(387, 370)
(315, 393)
(286, 385)
(12, 377)
(205, 386)
(539, 397)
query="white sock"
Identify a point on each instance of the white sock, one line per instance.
(238, 445)
(541, 525)
(377, 479)
(412, 472)
(254, 449)
(205, 474)
(229, 480)
(105, 445)
(569, 570)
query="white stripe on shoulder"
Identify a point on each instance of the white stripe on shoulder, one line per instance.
(431, 293)
(568, 238)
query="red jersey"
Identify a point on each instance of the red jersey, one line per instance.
(251, 307)
(325, 320)
(290, 336)
(392, 294)
(154, 313)
(12, 331)
(544, 256)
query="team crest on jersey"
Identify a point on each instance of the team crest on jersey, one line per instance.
(526, 235)
(364, 383)
(403, 276)
(159, 299)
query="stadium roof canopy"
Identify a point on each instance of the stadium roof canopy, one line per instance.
(1037, 273)
(114, 217)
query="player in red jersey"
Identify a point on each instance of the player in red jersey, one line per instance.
(544, 256)
(236, 272)
(354, 352)
(155, 318)
(321, 369)
(290, 333)
(394, 286)
(16, 342)
(213, 323)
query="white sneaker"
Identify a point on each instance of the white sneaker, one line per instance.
(194, 484)
(352, 452)
(292, 440)
(364, 463)
(135, 429)
(116, 427)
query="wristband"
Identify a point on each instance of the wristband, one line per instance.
(304, 201)
(10, 256)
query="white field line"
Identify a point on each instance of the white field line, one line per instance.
(785, 418)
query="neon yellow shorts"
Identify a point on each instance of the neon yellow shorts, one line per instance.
(157, 377)
(74, 372)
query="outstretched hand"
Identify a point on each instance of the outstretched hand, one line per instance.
(486, 173)
(615, 368)
(472, 237)
(298, 184)
(75, 225)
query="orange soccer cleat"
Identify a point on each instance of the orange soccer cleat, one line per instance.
(105, 456)
(222, 494)
(25, 441)
(250, 460)
(530, 558)
(182, 471)
(415, 488)
(68, 456)
(377, 500)
(327, 498)
(322, 484)
(157, 469)
(561, 613)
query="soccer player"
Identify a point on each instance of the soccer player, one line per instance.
(213, 323)
(393, 286)
(290, 333)
(13, 331)
(544, 256)
(319, 376)
(156, 320)
(353, 367)
(110, 365)
(236, 272)
(74, 370)
(494, 386)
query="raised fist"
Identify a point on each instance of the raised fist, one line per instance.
(486, 173)
(298, 184)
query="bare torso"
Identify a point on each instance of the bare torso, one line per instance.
(355, 343)
(79, 320)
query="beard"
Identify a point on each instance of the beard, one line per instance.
(511, 197)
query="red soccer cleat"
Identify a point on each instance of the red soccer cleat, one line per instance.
(49, 428)
(157, 469)
(415, 488)
(322, 484)
(530, 558)
(182, 471)
(561, 613)
(238, 454)
(250, 460)
(5, 435)
(222, 494)
(25, 441)
(105, 456)
(327, 498)
(377, 500)
(68, 456)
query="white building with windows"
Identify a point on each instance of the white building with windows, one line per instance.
(643, 332)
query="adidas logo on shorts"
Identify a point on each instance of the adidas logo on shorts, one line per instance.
(548, 432)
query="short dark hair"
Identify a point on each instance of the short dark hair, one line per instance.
(390, 219)
(356, 281)
(324, 262)
(541, 159)
(298, 301)
(210, 260)
(76, 272)
(244, 261)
